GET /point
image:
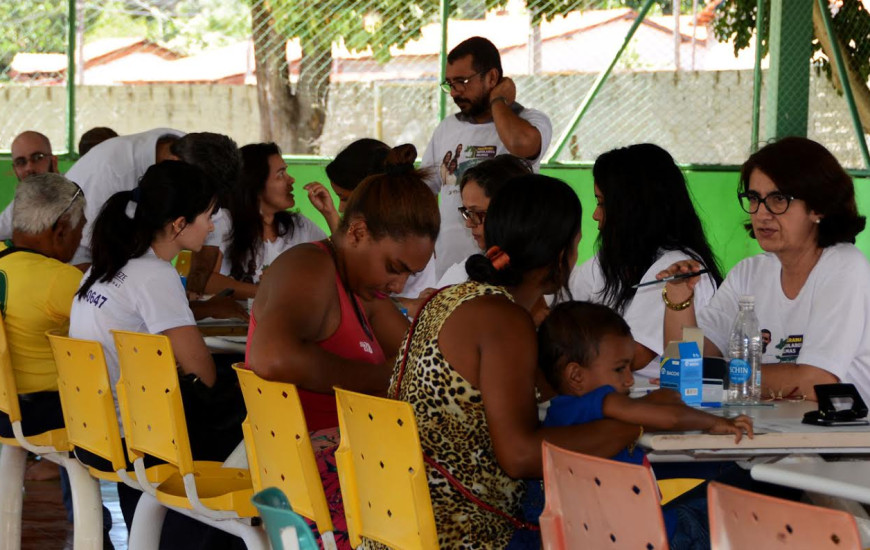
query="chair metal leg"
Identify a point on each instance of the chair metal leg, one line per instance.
(13, 461)
(147, 524)
(87, 507)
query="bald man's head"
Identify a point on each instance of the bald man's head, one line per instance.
(31, 154)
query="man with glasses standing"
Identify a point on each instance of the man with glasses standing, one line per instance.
(489, 122)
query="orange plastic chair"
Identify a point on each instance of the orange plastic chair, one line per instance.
(743, 519)
(279, 448)
(589, 501)
(382, 474)
(154, 423)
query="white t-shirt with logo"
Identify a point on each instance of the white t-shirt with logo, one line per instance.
(305, 231)
(146, 296)
(467, 143)
(645, 312)
(826, 326)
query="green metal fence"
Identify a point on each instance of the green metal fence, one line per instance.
(314, 75)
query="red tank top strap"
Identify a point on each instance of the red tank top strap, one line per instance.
(349, 341)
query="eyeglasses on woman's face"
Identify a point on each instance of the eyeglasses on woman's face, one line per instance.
(474, 218)
(776, 202)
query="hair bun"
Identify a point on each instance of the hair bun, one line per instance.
(400, 157)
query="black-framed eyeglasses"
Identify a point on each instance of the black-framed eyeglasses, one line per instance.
(21, 162)
(476, 218)
(76, 195)
(458, 84)
(776, 202)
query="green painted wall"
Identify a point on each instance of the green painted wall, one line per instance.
(714, 193)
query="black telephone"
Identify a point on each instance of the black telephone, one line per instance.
(839, 405)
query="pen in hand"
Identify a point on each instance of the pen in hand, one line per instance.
(672, 278)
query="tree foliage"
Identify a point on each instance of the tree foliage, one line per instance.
(736, 20)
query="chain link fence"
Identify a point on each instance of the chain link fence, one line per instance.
(314, 76)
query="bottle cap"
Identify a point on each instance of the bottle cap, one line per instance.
(747, 299)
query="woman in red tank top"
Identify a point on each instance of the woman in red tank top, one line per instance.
(322, 316)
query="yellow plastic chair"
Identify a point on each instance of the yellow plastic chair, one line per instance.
(52, 445)
(382, 474)
(588, 501)
(89, 410)
(743, 519)
(154, 423)
(279, 448)
(673, 487)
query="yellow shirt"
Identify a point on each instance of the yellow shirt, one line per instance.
(36, 294)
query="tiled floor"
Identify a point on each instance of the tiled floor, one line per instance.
(44, 524)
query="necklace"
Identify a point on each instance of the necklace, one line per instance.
(351, 296)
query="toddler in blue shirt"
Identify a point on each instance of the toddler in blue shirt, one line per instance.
(585, 352)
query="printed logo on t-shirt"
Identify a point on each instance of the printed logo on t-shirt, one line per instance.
(482, 151)
(366, 347)
(789, 348)
(453, 166)
(119, 279)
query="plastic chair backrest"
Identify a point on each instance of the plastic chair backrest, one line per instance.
(278, 517)
(8, 387)
(86, 398)
(279, 448)
(150, 399)
(383, 478)
(742, 519)
(595, 503)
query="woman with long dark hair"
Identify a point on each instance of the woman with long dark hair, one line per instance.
(469, 369)
(262, 226)
(132, 286)
(646, 222)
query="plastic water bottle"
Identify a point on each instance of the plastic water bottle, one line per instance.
(744, 355)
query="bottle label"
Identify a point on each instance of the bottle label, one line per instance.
(739, 371)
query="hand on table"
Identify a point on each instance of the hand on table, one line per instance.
(736, 426)
(219, 307)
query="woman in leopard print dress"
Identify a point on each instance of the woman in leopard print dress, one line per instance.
(471, 364)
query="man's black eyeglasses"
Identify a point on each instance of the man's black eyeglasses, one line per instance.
(458, 84)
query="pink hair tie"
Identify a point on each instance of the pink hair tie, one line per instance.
(498, 257)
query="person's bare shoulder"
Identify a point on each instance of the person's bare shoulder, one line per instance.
(493, 315)
(301, 270)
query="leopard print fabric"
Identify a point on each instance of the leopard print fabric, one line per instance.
(453, 431)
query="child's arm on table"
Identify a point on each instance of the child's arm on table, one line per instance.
(672, 416)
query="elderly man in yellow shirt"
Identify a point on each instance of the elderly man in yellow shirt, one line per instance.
(36, 293)
(36, 290)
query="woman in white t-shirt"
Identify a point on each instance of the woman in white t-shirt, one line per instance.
(811, 285)
(132, 286)
(646, 222)
(261, 228)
